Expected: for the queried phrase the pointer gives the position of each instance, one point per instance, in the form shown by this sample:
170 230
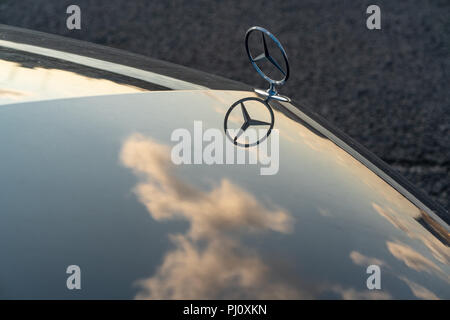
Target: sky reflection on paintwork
21 84
198 231
208 261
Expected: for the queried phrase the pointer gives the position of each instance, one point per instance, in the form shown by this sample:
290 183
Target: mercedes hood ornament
265 35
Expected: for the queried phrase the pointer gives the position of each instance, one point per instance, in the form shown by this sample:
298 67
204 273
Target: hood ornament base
274 96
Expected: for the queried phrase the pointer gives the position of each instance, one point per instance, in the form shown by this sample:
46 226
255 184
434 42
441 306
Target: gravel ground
388 89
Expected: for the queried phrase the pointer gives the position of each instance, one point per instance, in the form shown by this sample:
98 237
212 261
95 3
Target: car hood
90 182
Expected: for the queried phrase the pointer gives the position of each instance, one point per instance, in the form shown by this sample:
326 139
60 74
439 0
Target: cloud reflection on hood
409 225
209 261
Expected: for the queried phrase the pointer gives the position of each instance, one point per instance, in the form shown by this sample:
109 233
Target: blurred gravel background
389 89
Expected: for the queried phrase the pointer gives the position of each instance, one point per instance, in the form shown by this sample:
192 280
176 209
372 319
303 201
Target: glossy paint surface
26 77
90 181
